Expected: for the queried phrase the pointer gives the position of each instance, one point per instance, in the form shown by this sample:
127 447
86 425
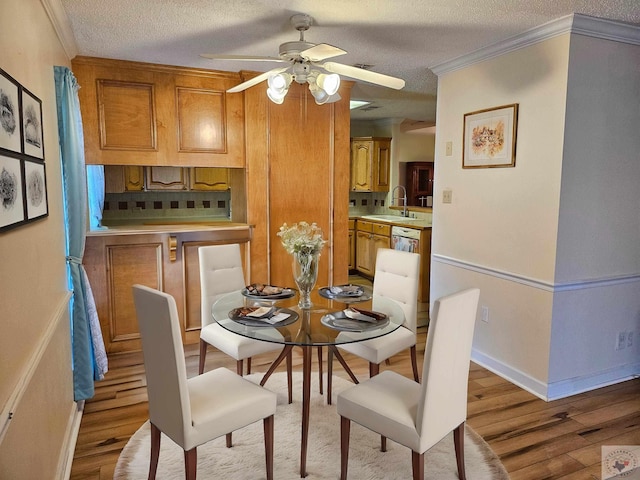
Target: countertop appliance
405 239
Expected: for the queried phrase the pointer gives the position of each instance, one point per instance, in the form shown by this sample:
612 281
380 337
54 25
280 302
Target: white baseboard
562 389
69 447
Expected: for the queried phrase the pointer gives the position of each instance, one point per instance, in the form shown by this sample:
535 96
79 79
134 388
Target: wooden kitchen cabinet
146 114
370 164
121 178
166 178
209 179
419 177
370 236
165 261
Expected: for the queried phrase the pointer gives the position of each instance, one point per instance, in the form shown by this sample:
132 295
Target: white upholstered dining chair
192 411
397 276
221 272
419 416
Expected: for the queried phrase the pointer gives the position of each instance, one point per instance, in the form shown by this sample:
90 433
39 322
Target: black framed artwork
10 125
11 192
23 179
32 138
35 184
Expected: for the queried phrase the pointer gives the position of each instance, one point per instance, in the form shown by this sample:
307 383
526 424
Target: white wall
529 236
35 367
598 254
499 233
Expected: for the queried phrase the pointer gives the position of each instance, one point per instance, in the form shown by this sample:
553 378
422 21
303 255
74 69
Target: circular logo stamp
619 462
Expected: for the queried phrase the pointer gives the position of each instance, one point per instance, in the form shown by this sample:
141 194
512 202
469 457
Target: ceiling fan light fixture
280 82
318 93
276 96
330 83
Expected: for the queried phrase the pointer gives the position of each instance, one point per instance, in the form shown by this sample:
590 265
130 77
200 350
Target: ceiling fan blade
250 58
255 80
364 75
321 51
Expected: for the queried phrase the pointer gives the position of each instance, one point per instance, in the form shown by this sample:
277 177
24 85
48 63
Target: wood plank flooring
535 440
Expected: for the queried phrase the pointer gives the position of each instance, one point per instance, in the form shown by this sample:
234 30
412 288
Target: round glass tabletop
323 324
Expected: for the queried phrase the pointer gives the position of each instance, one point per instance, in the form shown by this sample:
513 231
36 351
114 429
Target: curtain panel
88 352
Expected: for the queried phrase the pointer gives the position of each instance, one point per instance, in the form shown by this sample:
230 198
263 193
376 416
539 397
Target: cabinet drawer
352 224
381 229
363 226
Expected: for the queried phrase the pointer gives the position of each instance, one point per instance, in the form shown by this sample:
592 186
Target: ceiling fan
307 65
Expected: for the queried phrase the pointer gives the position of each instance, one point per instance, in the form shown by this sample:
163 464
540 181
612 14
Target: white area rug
245 460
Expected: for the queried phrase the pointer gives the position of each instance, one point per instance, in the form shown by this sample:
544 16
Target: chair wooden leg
239 369
229 439
374 369
249 366
320 369
290 376
383 443
190 463
268 445
414 364
417 464
333 351
203 356
345 427
458 442
155 451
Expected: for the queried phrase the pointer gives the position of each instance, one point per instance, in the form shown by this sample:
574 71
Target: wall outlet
630 339
484 314
621 340
447 195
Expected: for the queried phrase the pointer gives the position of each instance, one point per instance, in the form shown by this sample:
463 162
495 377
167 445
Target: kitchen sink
391 218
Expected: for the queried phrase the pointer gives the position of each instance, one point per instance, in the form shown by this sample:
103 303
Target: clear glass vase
305 274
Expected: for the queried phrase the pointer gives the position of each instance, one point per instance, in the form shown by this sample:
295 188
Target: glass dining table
318 326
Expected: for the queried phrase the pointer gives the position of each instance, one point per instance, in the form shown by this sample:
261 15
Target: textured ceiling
402 38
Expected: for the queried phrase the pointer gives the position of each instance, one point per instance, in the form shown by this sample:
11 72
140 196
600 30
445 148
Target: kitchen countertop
416 224
169 227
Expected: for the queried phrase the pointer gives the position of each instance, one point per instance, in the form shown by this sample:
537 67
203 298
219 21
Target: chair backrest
164 363
220 272
445 372
397 277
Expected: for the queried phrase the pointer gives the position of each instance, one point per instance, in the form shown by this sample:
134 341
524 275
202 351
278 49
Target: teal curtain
95 188
87 366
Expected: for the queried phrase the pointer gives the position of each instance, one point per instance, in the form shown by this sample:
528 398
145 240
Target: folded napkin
346 290
363 315
268 315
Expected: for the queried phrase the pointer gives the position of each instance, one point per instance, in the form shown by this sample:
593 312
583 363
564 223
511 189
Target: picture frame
12 209
35 188
32 134
10 123
489 139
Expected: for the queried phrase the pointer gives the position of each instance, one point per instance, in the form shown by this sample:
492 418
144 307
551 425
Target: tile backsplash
133 207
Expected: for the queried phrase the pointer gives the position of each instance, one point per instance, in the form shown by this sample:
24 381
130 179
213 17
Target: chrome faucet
404 198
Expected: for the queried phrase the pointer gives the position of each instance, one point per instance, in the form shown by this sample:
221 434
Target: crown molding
574 23
62 26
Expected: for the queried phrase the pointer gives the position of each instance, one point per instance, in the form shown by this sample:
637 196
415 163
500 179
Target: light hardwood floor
535 439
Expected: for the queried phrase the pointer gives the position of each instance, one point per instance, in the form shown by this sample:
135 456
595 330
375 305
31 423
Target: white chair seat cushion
222 402
386 404
237 346
377 350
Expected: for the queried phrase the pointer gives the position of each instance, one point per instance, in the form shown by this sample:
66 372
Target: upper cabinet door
145 114
370 164
126 116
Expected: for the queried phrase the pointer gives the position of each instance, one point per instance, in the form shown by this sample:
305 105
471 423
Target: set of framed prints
23 186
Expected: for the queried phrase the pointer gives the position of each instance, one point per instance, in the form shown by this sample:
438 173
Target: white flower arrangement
302 238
